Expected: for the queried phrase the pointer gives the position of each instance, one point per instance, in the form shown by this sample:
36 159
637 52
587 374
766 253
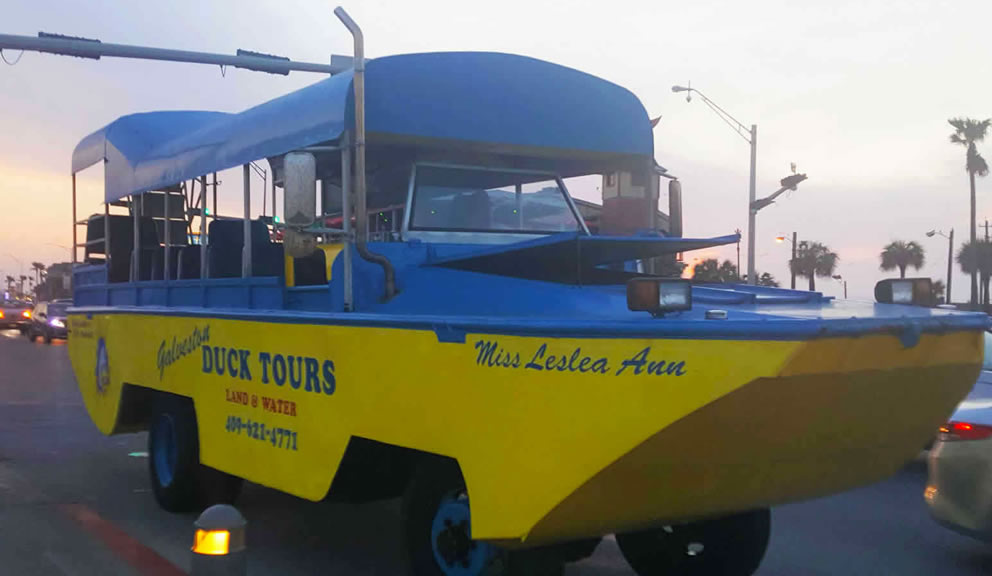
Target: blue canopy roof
489 98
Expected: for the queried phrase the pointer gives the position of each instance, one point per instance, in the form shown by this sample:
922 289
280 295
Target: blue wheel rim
454 551
164 449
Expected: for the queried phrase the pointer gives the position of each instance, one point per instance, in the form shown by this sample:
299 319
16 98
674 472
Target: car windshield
57 309
476 200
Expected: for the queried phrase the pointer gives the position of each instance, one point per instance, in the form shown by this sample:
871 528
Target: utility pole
752 211
950 260
792 262
738 232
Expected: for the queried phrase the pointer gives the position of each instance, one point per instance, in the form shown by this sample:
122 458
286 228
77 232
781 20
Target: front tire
179 481
437 532
729 546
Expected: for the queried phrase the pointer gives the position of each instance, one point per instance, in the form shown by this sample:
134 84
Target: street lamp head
931 233
837 277
678 89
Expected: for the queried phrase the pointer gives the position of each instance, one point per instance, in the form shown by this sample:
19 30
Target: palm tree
938 290
23 278
900 255
766 279
814 259
10 283
39 269
976 258
968 132
712 271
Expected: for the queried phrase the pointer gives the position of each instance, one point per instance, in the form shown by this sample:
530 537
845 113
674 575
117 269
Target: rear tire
48 338
729 546
179 481
437 531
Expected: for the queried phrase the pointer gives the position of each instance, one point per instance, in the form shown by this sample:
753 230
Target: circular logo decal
102 367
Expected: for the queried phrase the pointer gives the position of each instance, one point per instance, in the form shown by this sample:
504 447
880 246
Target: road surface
73 502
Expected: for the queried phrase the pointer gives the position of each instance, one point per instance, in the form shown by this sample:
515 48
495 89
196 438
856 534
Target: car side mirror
300 189
299 202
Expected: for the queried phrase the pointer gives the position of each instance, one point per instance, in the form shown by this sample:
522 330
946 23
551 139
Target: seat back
189 263
226 240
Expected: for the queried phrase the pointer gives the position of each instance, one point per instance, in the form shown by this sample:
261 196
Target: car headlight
910 291
659 295
57 323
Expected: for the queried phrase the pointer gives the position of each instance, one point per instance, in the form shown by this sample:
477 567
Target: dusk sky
857 94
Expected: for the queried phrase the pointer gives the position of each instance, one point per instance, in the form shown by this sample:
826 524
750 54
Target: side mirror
674 208
299 202
300 189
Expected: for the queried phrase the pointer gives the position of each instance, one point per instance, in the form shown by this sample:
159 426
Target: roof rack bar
95 49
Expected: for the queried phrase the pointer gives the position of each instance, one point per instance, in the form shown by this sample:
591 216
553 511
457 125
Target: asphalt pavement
74 502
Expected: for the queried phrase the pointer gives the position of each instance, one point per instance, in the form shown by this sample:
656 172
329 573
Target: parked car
960 462
15 315
48 320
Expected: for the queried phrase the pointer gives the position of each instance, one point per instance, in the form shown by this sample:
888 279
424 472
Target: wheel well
372 470
135 412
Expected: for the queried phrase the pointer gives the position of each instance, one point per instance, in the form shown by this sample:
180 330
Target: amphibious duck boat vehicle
445 328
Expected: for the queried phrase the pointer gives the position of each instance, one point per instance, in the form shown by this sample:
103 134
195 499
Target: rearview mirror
674 209
300 189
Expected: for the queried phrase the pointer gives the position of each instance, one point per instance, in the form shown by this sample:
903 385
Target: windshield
57 309
477 200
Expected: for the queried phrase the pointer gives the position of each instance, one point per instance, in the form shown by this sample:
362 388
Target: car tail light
955 431
1 314
26 313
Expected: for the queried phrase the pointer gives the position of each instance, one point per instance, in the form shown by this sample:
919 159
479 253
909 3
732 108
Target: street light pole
753 203
751 137
950 258
752 210
792 263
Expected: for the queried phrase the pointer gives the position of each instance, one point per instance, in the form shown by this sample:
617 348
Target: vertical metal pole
792 262
106 236
168 234
751 213
950 259
349 302
246 249
215 196
518 199
204 237
136 243
273 195
74 239
845 289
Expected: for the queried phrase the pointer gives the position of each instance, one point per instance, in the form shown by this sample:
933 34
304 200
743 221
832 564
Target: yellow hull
556 437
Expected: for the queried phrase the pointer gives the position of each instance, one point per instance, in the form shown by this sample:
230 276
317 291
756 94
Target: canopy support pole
168 237
136 244
74 238
246 248
215 194
203 226
106 236
349 301
273 196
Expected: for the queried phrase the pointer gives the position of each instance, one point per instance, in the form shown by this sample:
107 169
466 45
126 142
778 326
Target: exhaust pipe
361 208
